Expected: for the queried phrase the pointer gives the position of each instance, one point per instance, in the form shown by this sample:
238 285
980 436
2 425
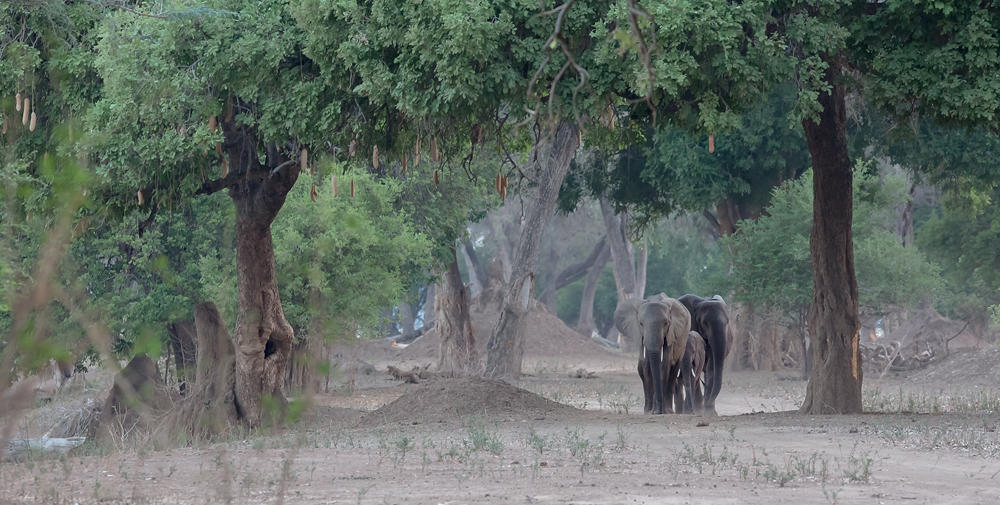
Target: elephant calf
693 365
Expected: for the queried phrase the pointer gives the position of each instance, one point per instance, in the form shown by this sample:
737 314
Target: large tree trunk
835 384
458 341
407 321
506 345
585 324
263 337
182 341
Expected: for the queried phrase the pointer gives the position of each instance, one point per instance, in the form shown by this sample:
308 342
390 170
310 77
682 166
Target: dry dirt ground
931 438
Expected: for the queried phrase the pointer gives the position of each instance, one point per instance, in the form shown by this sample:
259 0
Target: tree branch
577 271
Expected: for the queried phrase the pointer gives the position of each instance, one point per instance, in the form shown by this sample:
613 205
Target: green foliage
965 244
770 257
341 261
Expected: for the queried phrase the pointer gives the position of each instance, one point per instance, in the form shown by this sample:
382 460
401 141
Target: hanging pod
212 123
404 163
312 168
711 143
225 167
313 193
139 193
351 149
304 159
34 120
434 150
17 102
375 157
218 148
437 180
27 111
333 185
352 188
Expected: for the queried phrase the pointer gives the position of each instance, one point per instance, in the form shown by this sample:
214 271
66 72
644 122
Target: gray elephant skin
693 365
662 324
710 318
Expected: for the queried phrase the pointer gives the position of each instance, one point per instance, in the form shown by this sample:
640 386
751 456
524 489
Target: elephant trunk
717 356
653 358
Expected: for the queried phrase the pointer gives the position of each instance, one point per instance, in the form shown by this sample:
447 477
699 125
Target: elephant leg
711 385
671 402
647 385
686 383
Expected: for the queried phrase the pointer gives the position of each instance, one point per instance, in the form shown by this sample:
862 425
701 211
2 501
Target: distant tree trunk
640 271
407 321
263 337
185 347
473 259
429 306
475 280
506 345
622 263
300 365
549 294
585 324
726 210
503 247
835 383
906 225
457 337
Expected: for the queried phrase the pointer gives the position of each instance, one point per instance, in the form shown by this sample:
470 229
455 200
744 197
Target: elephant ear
680 326
627 319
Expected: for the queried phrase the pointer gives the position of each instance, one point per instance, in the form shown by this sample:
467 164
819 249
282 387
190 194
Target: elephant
710 318
693 365
662 324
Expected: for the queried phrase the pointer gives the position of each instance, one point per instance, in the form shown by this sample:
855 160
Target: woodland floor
932 438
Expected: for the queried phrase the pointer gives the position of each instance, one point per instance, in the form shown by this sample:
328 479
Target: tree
227 101
770 257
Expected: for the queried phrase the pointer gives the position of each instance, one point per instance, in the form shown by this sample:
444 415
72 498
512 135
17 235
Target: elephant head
662 324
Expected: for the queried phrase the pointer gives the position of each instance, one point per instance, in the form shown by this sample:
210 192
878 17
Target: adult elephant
662 324
710 318
693 365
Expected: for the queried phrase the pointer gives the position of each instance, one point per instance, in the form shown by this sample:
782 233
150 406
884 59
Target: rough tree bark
585 324
505 348
835 383
407 321
182 341
262 337
211 410
457 353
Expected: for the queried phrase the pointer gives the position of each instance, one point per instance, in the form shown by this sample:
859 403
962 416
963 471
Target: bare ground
553 439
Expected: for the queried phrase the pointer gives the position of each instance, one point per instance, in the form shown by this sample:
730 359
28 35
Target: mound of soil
545 336
963 369
453 399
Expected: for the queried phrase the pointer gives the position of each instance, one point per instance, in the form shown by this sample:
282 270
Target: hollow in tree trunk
458 341
835 383
505 348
